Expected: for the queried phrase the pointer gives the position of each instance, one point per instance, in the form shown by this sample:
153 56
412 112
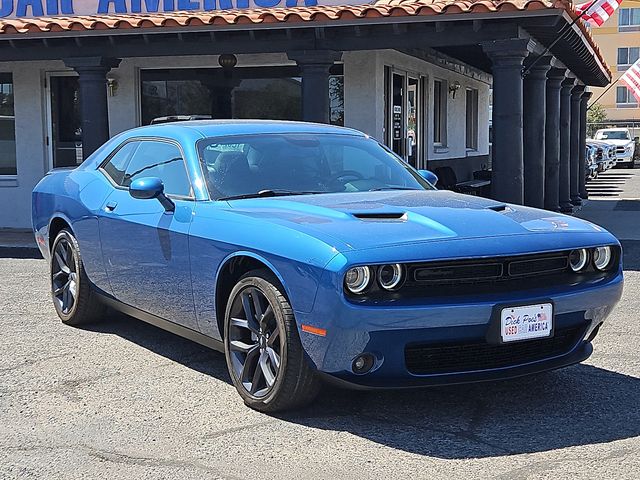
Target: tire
631 164
265 358
74 300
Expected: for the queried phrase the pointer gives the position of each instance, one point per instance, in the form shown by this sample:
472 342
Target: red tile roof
382 8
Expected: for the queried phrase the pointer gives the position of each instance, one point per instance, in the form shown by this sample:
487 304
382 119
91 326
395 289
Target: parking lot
126 400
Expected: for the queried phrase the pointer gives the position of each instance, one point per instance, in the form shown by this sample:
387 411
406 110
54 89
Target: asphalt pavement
125 400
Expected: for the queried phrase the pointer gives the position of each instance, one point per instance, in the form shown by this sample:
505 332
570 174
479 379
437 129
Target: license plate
525 322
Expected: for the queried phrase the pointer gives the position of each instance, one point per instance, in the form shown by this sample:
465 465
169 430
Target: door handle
110 206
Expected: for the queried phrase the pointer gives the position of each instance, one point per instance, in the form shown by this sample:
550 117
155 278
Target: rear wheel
71 291
264 355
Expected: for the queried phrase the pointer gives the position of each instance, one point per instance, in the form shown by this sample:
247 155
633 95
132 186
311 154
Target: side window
162 160
116 166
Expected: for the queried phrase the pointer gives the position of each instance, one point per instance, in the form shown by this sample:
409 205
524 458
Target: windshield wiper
393 188
271 193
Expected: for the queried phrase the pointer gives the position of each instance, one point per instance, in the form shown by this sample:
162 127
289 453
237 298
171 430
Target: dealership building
418 75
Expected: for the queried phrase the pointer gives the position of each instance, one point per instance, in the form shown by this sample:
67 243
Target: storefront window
251 93
7 127
161 98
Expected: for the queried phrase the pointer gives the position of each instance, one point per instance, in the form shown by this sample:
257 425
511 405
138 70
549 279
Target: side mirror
148 188
429 176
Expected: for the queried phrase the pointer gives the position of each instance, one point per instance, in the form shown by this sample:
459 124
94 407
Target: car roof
221 128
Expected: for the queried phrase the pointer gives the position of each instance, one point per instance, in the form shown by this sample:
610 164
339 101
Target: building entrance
64 136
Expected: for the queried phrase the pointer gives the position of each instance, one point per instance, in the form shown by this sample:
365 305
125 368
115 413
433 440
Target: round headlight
357 279
602 257
578 259
390 276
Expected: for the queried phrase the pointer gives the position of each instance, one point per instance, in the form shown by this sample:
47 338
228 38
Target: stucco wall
364 101
30 108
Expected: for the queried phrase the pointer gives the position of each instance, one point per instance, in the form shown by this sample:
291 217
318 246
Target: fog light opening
363 363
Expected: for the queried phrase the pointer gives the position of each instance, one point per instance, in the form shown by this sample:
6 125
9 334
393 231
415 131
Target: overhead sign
53 8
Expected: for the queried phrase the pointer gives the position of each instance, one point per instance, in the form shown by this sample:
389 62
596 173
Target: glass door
64 138
414 122
404 100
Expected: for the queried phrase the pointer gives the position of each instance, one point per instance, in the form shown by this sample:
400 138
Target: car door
145 248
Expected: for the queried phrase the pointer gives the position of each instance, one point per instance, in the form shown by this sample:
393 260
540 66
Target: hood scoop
502 208
382 216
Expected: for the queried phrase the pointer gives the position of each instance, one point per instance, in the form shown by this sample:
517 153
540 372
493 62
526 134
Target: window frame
625 66
629 26
628 95
149 139
475 126
157 73
440 134
10 177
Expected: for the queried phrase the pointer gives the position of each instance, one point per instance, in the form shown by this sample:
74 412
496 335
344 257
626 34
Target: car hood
615 142
380 219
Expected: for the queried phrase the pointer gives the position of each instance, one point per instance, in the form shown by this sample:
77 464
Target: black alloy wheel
255 342
264 355
64 276
73 297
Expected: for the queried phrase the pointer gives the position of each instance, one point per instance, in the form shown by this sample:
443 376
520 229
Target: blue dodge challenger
311 253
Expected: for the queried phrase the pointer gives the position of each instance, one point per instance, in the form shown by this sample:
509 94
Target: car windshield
612 135
290 164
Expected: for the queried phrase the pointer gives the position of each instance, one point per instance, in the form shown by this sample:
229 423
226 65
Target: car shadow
175 348
579 405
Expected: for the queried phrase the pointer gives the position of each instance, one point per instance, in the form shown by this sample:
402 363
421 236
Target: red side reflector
315 330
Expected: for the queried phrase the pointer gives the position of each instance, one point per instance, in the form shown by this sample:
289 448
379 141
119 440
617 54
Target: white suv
621 139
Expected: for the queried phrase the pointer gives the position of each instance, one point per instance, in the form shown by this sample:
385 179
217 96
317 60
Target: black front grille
538 266
454 273
430 359
488 275
488 270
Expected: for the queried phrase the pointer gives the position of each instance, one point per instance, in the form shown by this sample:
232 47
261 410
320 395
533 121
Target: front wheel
71 291
264 355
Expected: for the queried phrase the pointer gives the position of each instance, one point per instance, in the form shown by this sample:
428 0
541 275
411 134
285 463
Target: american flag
597 11
631 79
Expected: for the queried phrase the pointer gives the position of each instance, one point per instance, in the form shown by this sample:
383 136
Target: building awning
578 52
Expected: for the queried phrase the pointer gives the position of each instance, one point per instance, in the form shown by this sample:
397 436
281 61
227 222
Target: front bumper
386 330
624 158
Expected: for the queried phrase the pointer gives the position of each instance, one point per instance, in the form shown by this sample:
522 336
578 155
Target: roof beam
264 41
